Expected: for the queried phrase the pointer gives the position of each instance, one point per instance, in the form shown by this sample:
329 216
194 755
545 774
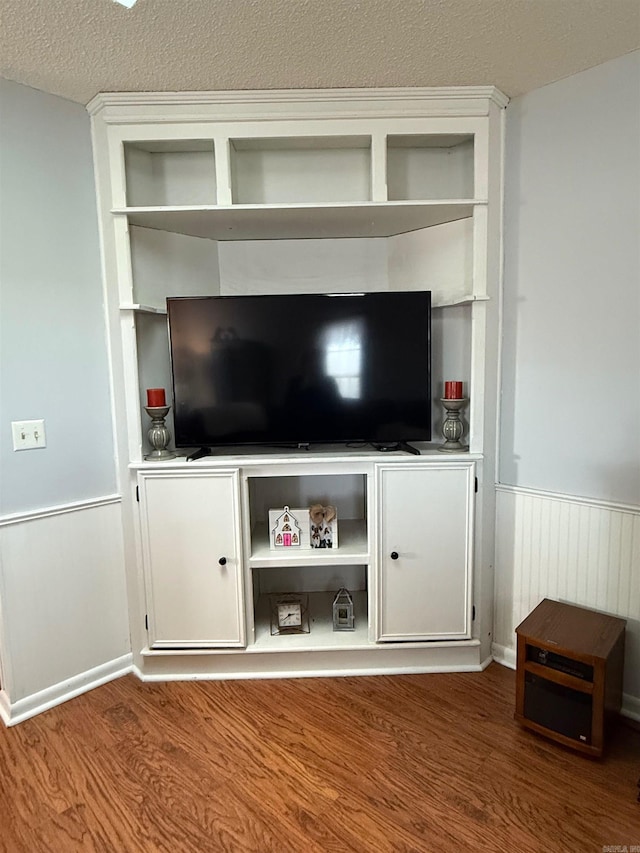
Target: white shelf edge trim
310 673
258 649
467 299
142 309
431 457
303 220
301 205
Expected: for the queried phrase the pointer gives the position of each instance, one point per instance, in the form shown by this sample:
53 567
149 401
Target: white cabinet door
192 558
424 551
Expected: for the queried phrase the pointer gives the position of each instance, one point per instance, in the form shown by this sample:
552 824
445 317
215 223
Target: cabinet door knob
394 555
223 561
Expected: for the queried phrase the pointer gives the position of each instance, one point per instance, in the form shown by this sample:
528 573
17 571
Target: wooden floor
430 763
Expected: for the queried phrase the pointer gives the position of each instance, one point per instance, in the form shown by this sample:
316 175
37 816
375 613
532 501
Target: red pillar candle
453 390
156 397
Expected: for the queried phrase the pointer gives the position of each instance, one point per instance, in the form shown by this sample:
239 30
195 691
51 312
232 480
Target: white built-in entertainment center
310 192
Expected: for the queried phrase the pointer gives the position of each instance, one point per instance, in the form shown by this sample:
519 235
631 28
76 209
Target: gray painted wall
571 356
53 354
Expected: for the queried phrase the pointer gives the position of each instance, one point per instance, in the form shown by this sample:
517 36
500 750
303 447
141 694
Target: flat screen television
301 369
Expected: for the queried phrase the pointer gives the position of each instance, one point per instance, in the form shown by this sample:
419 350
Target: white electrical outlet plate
28 435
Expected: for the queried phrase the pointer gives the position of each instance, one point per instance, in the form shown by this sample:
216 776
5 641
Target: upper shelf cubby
265 187
167 173
301 170
429 166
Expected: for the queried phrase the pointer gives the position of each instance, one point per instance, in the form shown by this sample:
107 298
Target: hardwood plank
385 764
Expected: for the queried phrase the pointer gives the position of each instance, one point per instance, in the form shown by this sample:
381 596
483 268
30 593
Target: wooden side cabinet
569 673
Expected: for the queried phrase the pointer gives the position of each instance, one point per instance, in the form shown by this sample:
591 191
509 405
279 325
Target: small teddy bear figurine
321 530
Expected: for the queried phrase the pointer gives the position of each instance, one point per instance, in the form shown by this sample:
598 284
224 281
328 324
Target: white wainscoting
63 604
570 549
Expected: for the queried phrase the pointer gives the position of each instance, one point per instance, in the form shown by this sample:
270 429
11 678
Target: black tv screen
299 369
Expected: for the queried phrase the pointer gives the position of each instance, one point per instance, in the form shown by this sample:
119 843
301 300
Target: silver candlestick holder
158 434
453 428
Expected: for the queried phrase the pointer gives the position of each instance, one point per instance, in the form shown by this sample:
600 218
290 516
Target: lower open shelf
321 634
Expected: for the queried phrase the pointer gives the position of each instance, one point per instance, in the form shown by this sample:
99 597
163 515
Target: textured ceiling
77 48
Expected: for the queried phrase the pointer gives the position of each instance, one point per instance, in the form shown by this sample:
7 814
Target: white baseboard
12 714
504 655
5 708
23 709
630 707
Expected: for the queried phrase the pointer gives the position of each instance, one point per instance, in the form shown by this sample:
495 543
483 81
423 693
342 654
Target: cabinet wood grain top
568 628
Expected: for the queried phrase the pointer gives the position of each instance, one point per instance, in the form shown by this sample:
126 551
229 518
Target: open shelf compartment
300 169
429 167
321 634
347 492
170 172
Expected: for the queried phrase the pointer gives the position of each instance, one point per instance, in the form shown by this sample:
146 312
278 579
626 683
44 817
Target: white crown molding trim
23 709
47 512
131 118
294 96
612 506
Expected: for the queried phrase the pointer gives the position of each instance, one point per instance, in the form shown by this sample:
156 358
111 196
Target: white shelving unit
328 191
